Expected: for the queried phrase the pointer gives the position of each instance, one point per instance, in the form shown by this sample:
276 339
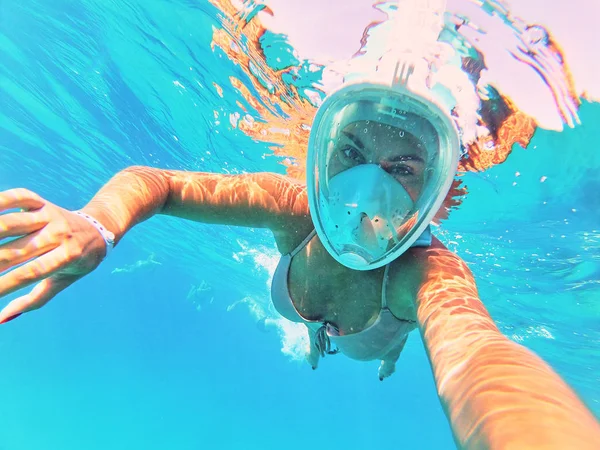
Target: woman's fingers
20 198
36 270
23 249
21 223
51 248
41 294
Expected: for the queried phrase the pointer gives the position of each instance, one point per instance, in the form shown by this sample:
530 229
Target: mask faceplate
381 161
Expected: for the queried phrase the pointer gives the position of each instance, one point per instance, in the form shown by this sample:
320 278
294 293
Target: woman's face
397 152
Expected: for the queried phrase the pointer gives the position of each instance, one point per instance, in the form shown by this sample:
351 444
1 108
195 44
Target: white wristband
109 238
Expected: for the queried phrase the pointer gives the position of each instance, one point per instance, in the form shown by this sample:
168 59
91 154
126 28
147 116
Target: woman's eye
401 169
352 155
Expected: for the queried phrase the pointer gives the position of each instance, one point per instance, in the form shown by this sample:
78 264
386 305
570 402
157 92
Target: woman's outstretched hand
49 246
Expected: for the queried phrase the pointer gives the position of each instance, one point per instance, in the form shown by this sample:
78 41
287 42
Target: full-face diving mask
381 161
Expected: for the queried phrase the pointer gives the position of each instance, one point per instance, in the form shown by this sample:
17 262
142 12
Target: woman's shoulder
411 271
294 221
439 261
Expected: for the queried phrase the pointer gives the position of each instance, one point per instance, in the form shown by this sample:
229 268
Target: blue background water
129 360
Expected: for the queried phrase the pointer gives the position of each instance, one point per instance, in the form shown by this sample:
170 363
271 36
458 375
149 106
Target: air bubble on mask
365 130
401 134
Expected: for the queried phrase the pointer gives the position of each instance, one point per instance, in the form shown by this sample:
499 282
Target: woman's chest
323 290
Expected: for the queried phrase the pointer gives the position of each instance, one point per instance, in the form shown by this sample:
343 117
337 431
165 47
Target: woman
359 266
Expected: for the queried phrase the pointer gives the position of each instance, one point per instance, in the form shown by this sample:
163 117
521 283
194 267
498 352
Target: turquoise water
166 345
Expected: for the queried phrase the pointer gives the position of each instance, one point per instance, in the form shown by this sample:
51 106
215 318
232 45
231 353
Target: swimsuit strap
423 241
303 244
384 287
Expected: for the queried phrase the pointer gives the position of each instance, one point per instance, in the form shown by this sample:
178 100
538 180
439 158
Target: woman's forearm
499 395
496 393
131 196
264 200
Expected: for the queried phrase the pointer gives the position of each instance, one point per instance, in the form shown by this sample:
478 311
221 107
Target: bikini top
381 340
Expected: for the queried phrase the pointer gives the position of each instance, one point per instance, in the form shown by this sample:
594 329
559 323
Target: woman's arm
496 393
263 200
54 247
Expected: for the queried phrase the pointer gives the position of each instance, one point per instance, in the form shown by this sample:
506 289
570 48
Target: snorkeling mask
365 214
